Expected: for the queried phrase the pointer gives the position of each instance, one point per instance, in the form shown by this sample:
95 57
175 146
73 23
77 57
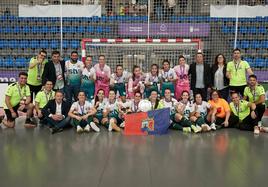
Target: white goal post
142 52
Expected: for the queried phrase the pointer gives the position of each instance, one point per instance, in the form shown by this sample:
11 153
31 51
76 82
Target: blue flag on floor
151 123
157 122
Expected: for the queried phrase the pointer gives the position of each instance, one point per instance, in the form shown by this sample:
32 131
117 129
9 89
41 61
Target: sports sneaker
29 123
263 129
56 130
79 129
115 127
213 126
186 129
1 119
87 128
259 123
94 127
256 130
199 128
122 125
110 128
196 129
205 127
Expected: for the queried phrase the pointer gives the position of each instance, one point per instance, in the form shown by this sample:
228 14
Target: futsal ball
145 105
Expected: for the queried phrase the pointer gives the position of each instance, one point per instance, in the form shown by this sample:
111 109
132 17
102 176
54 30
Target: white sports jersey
188 108
168 74
135 107
119 79
106 70
81 109
126 104
203 108
152 79
73 72
101 104
170 104
111 106
88 74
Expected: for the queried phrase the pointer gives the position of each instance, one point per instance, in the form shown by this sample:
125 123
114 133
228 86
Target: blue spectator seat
54 44
8 62
65 44
34 44
26 29
74 44
259 62
255 44
243 30
264 44
252 30
44 30
3 44
90 29
245 44
262 30
99 29
21 62
16 30
23 44
13 44
44 44
35 29
81 29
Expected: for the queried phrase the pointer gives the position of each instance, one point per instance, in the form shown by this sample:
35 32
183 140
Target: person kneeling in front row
245 111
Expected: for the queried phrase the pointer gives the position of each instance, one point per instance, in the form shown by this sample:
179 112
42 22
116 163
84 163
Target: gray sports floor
35 158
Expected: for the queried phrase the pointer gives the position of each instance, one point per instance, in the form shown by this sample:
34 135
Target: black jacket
207 75
50 108
214 68
50 72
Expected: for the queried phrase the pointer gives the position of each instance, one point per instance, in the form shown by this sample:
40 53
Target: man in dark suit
200 76
56 113
54 71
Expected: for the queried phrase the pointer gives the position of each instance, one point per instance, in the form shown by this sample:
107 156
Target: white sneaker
213 126
110 128
259 123
79 129
94 127
199 128
87 128
264 129
122 125
205 127
256 130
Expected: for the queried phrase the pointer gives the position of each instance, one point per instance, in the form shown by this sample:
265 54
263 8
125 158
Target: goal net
141 52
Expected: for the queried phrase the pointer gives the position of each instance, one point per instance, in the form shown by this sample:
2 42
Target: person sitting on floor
55 113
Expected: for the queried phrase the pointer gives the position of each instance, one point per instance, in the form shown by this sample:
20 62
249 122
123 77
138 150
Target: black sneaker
30 124
56 130
29 121
1 119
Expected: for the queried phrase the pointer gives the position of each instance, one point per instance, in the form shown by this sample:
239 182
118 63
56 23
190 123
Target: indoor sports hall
140 144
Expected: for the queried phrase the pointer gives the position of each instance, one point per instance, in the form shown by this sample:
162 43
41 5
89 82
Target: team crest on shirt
147 125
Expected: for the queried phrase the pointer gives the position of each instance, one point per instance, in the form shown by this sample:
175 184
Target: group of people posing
86 96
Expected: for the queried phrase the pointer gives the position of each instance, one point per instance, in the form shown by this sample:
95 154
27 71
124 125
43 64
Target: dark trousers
248 123
233 121
224 93
238 89
34 90
59 124
71 92
260 108
202 91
